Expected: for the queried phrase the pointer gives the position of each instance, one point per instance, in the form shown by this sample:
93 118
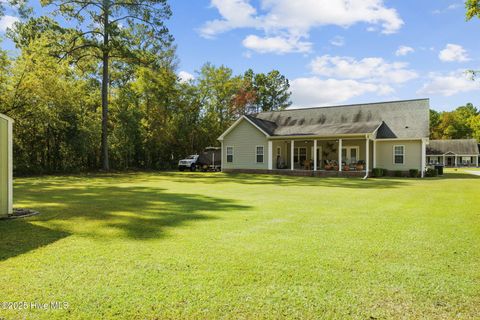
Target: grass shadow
19 237
287 181
109 210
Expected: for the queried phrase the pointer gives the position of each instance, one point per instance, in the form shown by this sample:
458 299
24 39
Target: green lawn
206 246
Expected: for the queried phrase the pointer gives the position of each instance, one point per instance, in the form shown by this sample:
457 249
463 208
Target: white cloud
338 41
338 79
404 50
7 22
235 14
453 53
449 84
185 76
452 6
368 69
313 91
276 45
294 19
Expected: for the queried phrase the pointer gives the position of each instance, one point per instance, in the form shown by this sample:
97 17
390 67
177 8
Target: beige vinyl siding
413 155
245 138
4 179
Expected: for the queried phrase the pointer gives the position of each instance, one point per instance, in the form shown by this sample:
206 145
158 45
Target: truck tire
181 169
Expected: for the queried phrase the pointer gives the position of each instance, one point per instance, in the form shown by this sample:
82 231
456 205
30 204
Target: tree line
105 93
461 123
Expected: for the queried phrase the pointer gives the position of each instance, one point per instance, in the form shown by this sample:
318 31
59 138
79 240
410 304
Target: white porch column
270 155
221 155
374 153
424 154
292 150
10 166
315 155
444 161
477 160
456 161
340 155
367 156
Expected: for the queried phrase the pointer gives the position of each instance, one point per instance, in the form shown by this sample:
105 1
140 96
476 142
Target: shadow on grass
102 210
287 181
19 236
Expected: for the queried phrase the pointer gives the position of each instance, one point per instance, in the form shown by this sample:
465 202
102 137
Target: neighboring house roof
397 119
457 147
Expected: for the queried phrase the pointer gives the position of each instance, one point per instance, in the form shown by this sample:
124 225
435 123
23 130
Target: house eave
236 123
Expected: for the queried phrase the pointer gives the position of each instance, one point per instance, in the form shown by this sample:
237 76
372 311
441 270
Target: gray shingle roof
458 147
396 119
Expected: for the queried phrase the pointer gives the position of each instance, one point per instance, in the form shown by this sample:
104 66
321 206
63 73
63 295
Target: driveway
477 173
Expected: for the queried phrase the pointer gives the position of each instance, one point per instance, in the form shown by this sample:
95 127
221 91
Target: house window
300 155
399 154
279 151
229 154
259 154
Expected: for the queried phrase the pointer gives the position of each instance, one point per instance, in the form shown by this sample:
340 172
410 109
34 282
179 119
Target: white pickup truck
189 163
208 160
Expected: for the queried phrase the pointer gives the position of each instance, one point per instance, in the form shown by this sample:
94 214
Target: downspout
367 155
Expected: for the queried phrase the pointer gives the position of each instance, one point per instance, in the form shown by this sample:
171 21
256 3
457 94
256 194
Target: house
314 141
453 153
6 177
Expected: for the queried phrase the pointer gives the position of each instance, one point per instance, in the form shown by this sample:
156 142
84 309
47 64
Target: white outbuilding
6 165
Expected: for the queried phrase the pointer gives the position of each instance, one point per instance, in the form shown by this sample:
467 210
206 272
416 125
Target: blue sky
334 51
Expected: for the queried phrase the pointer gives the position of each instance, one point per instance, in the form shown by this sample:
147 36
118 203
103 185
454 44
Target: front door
449 161
350 155
299 157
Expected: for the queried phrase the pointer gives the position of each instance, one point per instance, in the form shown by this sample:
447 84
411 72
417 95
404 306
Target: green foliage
462 123
115 32
398 173
154 118
414 173
271 91
378 172
473 9
431 172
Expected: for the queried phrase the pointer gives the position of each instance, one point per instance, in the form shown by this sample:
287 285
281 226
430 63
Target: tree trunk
105 85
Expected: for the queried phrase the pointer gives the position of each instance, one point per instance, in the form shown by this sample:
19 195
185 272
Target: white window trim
404 154
233 154
256 153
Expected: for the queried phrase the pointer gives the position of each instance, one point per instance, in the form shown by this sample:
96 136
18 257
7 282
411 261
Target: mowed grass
209 246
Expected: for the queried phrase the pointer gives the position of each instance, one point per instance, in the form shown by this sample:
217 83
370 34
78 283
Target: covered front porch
302 155
451 159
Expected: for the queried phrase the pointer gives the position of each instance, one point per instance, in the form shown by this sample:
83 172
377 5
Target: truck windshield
191 157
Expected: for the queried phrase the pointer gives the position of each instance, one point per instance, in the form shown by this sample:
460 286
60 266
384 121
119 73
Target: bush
413 173
378 172
398 173
431 172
